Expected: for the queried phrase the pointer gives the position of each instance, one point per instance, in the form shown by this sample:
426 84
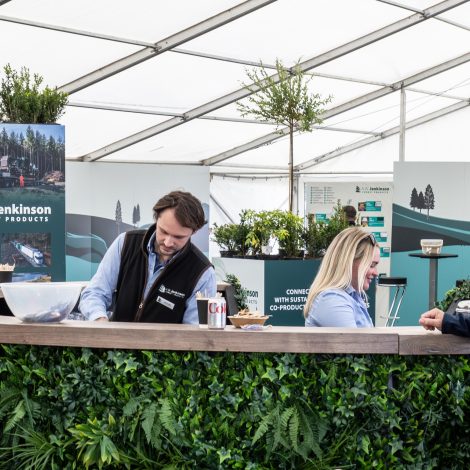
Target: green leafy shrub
73 408
456 293
226 236
318 235
241 294
23 102
289 229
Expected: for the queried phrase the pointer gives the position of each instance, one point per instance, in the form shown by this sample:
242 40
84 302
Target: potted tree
23 102
243 229
284 99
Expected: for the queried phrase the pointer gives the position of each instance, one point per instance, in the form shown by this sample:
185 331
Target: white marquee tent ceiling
156 81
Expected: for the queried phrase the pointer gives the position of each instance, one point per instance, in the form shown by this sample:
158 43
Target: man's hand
102 319
432 319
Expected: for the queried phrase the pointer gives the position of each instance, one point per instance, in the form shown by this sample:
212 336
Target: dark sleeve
456 323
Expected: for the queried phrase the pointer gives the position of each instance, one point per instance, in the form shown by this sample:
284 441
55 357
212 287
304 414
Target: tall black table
433 259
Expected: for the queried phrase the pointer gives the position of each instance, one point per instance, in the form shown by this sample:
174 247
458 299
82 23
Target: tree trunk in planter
291 167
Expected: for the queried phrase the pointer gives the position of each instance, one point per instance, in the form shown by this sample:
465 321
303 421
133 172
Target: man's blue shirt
96 299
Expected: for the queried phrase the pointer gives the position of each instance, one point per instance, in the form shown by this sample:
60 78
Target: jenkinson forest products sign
20 213
32 201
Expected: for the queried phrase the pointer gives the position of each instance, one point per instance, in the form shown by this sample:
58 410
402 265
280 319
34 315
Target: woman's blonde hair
336 269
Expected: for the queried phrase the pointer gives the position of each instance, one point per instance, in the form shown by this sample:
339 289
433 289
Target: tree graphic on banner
136 215
414 199
428 199
118 216
420 205
423 201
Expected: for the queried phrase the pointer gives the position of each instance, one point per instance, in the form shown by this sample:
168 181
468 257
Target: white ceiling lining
227 107
306 65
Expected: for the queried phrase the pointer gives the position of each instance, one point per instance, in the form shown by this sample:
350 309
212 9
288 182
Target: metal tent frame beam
134 110
79 32
307 65
417 10
268 138
165 44
388 133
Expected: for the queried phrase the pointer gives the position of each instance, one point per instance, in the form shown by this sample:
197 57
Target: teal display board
32 200
286 285
277 287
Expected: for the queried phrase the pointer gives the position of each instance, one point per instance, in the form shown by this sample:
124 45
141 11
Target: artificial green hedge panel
66 408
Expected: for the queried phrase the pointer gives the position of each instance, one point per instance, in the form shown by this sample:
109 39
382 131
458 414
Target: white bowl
39 302
431 246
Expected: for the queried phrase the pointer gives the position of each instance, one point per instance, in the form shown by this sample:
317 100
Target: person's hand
432 319
102 319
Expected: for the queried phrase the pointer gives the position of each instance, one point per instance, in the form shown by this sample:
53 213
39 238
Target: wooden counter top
397 340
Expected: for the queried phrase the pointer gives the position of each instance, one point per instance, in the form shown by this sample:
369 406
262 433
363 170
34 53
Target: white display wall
373 202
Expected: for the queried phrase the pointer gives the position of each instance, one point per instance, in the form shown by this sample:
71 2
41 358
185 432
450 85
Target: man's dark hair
188 209
350 212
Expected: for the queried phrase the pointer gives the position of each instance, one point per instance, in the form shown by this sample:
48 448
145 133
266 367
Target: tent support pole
221 207
402 124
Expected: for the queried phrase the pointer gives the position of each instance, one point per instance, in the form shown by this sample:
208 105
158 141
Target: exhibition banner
32 200
430 202
119 197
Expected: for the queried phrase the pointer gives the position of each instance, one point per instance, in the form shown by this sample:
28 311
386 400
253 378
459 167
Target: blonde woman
338 292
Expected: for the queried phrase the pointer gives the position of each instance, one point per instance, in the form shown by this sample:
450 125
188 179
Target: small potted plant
260 237
289 234
226 237
243 229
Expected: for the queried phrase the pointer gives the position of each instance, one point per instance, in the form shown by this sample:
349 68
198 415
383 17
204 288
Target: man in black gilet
153 275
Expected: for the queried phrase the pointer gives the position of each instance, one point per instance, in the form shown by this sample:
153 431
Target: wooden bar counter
396 340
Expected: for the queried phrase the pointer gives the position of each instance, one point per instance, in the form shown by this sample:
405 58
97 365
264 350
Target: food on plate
247 314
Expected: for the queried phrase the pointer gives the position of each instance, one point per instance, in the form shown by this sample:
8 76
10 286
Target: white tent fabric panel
404 54
169 82
306 146
145 20
87 131
58 57
454 81
177 144
427 143
301 29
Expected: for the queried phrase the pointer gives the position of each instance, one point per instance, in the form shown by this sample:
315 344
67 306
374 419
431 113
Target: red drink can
216 313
